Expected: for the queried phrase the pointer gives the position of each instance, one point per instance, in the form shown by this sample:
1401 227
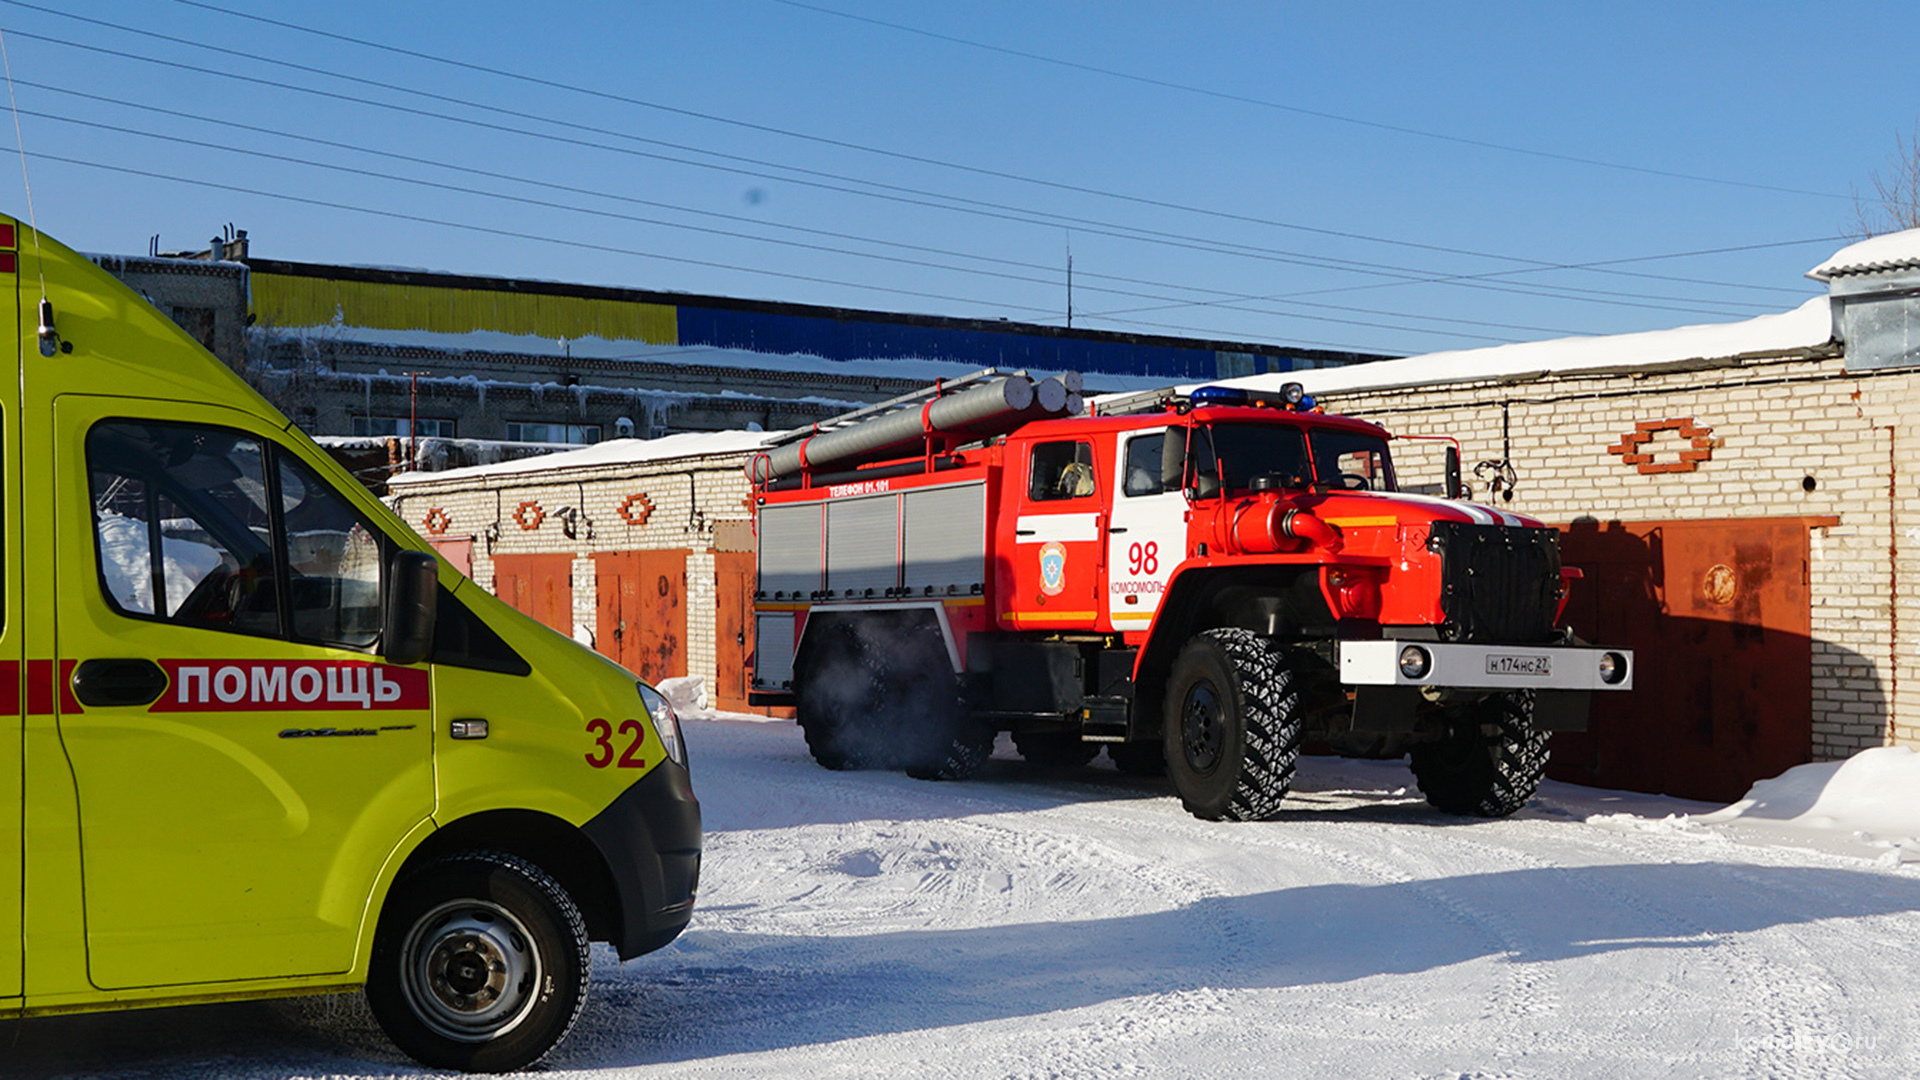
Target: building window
197 321
398 425
540 431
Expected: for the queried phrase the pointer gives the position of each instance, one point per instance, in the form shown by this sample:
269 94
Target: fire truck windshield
1230 457
1351 461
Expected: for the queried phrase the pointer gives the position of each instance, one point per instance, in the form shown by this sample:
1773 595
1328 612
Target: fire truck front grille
1498 583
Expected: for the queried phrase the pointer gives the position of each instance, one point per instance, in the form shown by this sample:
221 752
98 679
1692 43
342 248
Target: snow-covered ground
1034 925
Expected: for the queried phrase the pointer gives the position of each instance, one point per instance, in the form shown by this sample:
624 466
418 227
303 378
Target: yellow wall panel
281 300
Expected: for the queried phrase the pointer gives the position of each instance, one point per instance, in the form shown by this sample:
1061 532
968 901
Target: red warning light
6 236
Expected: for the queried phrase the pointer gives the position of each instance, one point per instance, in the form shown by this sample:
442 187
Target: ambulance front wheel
480 963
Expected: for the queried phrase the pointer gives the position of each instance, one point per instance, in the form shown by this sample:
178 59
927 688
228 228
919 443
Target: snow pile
641 352
1808 326
687 694
612 452
1867 805
1894 251
1875 792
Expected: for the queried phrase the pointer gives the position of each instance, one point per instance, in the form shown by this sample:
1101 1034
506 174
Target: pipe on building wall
1893 584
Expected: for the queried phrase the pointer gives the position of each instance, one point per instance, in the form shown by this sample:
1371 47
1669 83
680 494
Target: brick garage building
642 549
1742 499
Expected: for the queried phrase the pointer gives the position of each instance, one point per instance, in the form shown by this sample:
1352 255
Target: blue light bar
1217 395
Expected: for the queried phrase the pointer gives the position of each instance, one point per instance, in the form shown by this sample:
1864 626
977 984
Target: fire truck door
1055 570
1146 534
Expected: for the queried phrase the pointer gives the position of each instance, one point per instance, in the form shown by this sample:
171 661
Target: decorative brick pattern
1634 447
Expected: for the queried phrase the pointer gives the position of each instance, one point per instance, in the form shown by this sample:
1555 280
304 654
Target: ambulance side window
1060 470
333 560
185 533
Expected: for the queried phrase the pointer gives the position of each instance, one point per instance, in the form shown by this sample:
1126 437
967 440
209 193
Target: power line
1296 109
1224 298
550 205
977 207
1328 261
586 245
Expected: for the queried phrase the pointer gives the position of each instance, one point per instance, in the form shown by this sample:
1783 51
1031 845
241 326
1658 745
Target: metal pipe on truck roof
975 413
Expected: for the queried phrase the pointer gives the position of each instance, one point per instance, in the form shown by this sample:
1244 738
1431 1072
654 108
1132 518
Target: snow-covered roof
1894 251
613 452
1808 326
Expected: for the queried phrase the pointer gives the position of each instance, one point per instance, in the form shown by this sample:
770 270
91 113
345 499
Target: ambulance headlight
664 722
1415 662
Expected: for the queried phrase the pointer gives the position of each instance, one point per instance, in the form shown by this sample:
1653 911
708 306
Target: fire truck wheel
1232 722
1139 759
838 700
942 740
480 963
1489 761
1054 749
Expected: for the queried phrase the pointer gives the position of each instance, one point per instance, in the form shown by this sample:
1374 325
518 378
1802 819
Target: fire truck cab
1200 583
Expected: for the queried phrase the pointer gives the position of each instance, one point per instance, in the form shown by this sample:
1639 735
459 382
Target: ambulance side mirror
412 590
1453 473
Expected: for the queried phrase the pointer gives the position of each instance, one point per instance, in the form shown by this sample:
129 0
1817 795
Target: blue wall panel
838 339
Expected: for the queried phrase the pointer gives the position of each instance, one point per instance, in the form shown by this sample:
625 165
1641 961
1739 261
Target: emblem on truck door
1053 567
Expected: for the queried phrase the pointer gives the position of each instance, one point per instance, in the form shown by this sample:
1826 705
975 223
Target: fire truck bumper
1484 667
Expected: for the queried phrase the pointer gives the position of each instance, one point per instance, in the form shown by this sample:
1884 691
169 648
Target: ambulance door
244 762
1056 558
1147 533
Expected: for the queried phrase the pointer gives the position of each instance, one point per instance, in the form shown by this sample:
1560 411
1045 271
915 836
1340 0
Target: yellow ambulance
255 741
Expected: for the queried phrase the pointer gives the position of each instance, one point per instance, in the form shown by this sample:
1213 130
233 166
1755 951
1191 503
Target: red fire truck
1200 582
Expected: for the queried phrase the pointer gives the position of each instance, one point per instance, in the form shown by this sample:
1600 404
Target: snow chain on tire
1491 760
1260 718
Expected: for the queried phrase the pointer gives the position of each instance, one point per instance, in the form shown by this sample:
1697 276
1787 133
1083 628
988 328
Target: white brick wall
688 498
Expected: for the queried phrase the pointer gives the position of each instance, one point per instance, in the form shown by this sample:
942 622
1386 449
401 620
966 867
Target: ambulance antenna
21 141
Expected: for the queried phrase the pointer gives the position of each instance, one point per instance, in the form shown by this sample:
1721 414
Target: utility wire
551 205
1544 265
1296 109
589 246
1223 297
1661 302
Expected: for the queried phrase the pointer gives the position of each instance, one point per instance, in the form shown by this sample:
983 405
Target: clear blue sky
1283 121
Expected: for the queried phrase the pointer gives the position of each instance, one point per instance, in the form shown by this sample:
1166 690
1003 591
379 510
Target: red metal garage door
539 585
1718 614
642 610
455 553
732 628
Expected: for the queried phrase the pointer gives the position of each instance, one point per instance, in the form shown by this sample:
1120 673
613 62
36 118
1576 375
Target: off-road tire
838 691
1232 725
1054 749
942 739
967 746
1489 761
1139 759
480 963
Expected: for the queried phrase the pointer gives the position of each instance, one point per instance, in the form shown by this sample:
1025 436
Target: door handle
118 681
1117 529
